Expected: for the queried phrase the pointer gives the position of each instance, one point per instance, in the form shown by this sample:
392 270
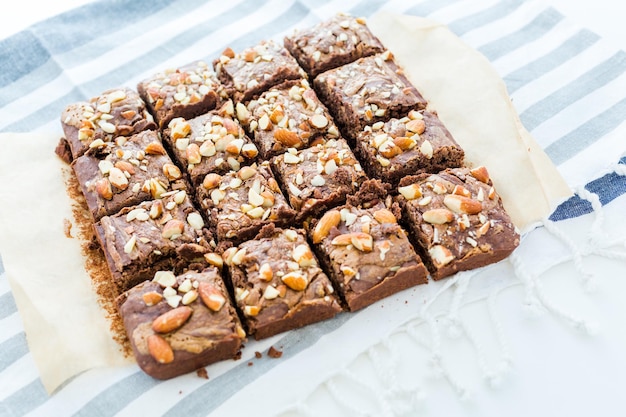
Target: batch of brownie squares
273 188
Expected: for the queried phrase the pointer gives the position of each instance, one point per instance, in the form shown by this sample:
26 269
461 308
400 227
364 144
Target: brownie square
238 204
366 253
366 91
287 116
278 284
125 172
408 146
162 234
115 112
212 142
188 91
457 219
256 69
319 177
178 324
331 43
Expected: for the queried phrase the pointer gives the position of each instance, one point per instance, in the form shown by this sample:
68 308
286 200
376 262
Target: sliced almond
482 230
171 320
438 216
426 148
344 239
156 209
164 278
462 205
246 172
295 280
159 349
211 296
214 259
239 256
195 220
319 121
329 220
404 143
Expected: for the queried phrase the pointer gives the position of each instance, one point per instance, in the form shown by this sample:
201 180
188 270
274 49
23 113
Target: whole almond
172 319
159 349
329 220
416 126
118 178
211 296
384 216
462 205
125 166
438 216
287 138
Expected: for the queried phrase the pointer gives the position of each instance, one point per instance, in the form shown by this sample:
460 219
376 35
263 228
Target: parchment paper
67 330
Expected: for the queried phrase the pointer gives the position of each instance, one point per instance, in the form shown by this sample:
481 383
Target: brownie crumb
67 228
250 364
258 355
63 151
274 353
202 373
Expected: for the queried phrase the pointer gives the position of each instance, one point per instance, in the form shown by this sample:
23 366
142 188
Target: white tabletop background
544 382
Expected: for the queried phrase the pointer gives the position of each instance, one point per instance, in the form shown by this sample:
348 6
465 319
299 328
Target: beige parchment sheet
67 330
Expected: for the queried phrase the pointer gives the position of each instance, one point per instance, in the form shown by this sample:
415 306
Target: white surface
558 371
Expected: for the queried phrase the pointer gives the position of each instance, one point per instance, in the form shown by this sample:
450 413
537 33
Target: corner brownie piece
287 116
319 177
256 69
162 234
188 91
457 219
115 112
178 324
407 146
365 251
366 91
278 284
126 172
212 142
331 43
238 204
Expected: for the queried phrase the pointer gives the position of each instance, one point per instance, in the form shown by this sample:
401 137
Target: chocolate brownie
366 91
407 146
163 234
278 285
212 142
457 219
115 112
188 91
366 253
287 116
125 172
331 43
177 324
238 204
256 69
319 177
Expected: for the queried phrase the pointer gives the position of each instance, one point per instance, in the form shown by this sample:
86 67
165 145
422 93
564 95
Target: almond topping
211 296
214 259
171 171
103 188
362 241
211 181
287 138
171 320
155 148
462 205
295 280
193 154
319 121
410 192
125 166
151 298
164 278
251 311
482 230
438 216
118 178
441 255
460 190
303 256
481 174
416 126
265 272
329 220
173 229
270 293
384 216
159 349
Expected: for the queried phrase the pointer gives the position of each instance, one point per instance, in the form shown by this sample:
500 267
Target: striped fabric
568 86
